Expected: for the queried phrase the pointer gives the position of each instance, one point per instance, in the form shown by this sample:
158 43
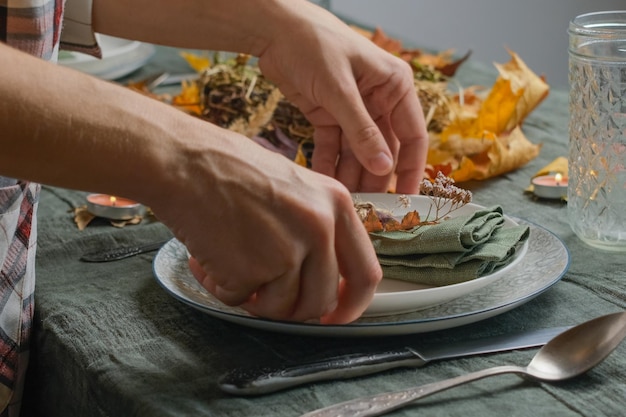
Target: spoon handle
380 404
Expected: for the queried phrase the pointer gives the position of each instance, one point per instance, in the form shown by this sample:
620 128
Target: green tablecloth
109 341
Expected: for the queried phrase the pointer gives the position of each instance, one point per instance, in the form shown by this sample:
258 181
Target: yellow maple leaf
535 89
198 62
498 108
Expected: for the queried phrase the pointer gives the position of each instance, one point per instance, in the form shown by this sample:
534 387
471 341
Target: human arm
257 223
360 98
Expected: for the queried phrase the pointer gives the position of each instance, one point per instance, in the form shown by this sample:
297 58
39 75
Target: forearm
246 26
64 128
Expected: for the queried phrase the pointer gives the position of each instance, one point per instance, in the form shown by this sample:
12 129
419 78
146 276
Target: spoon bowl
569 354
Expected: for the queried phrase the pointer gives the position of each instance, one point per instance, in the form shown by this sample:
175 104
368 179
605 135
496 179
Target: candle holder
550 186
112 207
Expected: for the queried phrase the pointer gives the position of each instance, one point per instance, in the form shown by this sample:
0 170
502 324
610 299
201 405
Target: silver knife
257 381
121 253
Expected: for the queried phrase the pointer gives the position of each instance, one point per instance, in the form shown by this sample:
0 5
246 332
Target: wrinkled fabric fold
455 250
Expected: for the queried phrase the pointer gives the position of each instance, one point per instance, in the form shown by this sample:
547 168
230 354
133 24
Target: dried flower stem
445 195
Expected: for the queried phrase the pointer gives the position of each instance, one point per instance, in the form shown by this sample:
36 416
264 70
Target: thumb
365 138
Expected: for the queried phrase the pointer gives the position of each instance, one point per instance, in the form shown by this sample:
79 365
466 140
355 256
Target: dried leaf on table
557 166
82 217
535 89
484 138
443 62
199 63
122 223
510 151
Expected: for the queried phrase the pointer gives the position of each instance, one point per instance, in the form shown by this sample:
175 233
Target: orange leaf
372 223
391 225
410 220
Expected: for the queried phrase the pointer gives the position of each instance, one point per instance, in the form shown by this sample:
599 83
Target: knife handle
258 381
120 253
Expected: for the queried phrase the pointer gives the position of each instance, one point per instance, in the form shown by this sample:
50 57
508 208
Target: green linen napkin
455 250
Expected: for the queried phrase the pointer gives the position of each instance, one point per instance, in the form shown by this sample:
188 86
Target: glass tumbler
597 129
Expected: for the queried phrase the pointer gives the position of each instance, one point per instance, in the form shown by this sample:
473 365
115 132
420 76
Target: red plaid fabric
18 236
33 26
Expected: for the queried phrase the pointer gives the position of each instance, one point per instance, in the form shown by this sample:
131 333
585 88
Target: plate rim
383 328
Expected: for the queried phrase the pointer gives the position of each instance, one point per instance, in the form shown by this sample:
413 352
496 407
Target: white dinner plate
398 297
545 262
120 57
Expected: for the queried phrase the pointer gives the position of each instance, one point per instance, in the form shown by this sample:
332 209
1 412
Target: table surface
109 341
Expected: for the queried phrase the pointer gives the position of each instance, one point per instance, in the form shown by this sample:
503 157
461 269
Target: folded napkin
455 250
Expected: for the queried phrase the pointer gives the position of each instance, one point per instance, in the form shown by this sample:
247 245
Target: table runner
111 342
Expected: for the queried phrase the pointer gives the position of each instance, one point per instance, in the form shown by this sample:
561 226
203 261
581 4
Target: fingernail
381 164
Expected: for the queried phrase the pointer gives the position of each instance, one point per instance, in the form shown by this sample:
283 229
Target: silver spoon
569 354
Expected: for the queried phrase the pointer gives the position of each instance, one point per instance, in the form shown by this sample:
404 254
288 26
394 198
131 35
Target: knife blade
121 253
257 381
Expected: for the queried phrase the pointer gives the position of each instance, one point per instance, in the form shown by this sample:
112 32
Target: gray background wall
535 29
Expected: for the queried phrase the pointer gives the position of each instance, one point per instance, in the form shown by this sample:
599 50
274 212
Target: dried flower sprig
446 196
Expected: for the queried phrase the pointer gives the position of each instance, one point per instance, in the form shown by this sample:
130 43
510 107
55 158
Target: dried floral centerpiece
236 96
475 132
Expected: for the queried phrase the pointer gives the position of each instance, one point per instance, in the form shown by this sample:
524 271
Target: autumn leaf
410 220
509 152
558 165
189 98
521 78
199 63
372 223
499 108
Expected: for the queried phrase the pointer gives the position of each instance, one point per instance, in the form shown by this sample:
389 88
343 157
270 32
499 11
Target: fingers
306 295
277 298
410 129
359 267
327 148
367 133
366 140
229 296
333 156
313 288
319 285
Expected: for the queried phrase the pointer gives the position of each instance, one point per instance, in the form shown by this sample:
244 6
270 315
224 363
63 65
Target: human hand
279 240
362 100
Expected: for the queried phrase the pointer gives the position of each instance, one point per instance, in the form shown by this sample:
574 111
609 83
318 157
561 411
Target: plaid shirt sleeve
18 237
33 26
39 26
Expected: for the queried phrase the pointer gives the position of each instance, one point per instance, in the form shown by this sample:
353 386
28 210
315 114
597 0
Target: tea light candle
550 186
112 207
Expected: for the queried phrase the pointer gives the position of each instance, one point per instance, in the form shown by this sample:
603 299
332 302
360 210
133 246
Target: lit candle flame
558 178
113 200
